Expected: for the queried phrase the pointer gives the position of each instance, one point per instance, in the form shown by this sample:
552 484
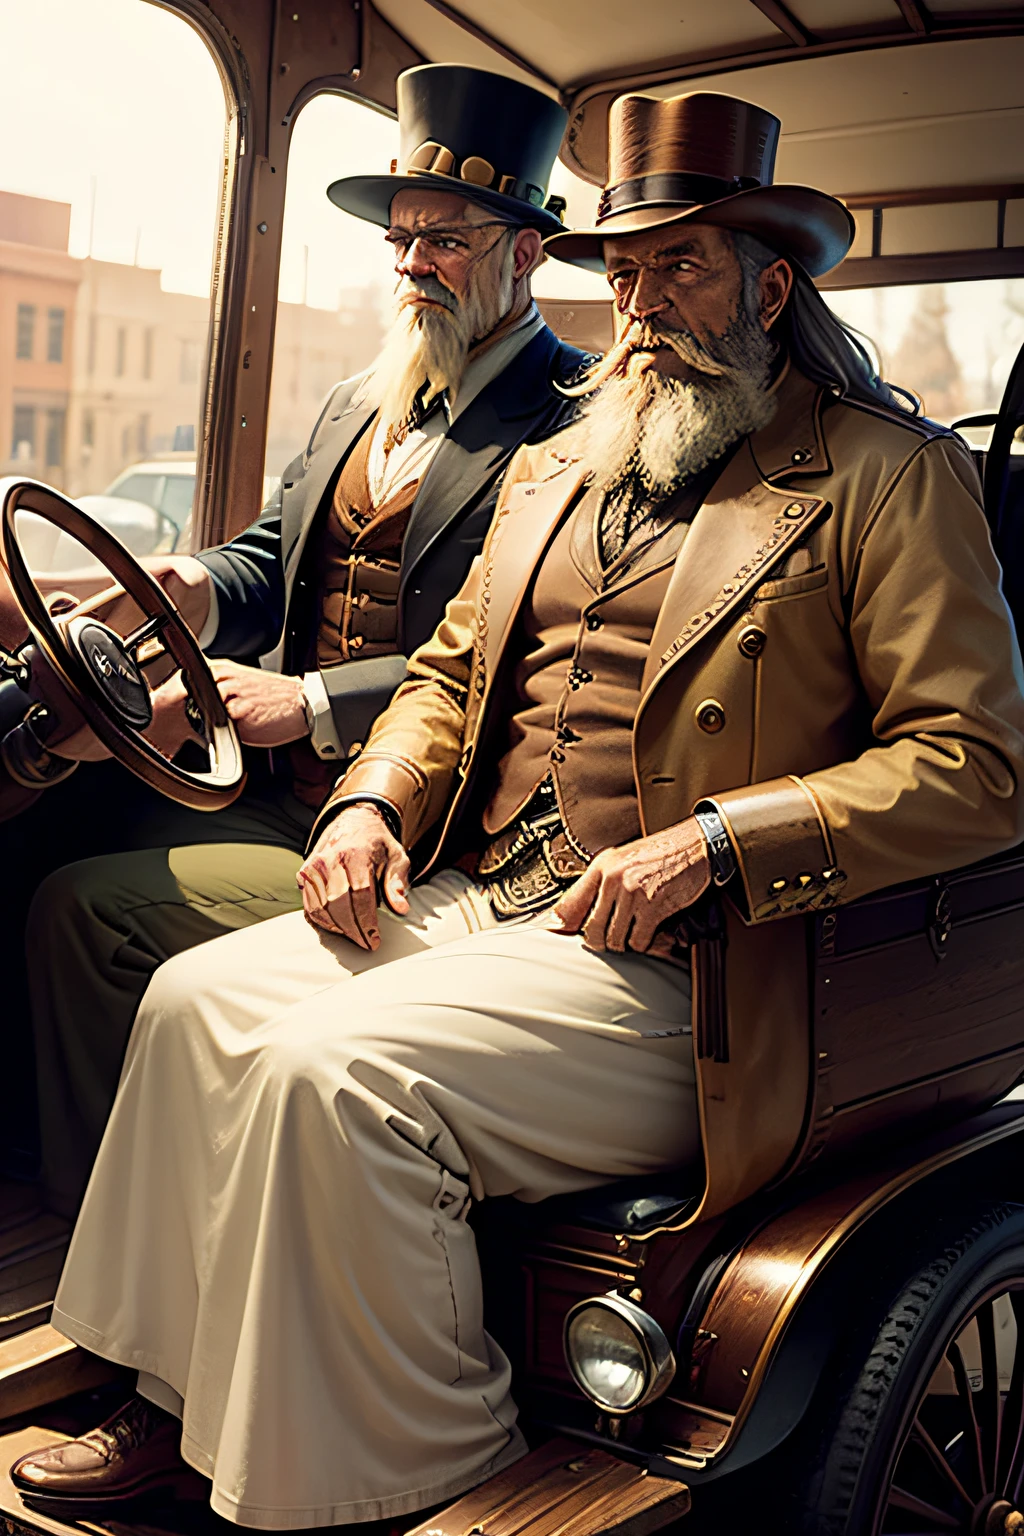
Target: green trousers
158 880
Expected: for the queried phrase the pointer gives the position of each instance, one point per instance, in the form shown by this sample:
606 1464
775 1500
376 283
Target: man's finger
362 880
395 883
313 901
645 926
571 910
595 929
621 923
341 910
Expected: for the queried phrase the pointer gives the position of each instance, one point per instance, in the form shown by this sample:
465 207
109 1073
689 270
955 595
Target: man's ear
775 284
528 253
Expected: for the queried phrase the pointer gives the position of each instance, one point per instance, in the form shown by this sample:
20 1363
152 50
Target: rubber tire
864 1413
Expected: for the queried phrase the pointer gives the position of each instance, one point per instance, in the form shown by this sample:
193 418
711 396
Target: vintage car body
871 1140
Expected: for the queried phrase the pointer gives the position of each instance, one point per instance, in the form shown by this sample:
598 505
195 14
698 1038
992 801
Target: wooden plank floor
33 1244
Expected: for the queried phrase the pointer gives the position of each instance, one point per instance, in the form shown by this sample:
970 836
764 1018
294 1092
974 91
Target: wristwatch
720 850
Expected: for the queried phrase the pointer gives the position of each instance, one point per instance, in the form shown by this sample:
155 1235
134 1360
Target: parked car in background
167 484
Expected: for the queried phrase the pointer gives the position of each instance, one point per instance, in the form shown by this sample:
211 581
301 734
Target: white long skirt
275 1231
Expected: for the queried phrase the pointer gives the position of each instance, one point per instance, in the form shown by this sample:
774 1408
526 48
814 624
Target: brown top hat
710 159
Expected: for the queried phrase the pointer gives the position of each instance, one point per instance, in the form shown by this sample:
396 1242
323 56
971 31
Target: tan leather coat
834 664
835 617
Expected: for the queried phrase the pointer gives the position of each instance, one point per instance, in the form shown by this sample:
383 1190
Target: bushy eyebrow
688 248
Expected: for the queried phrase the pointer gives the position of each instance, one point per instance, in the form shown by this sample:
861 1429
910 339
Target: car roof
883 102
159 467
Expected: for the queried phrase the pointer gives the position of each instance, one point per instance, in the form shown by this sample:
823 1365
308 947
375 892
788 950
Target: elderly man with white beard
734 649
313 611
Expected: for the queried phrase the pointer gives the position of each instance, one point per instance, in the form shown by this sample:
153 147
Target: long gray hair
816 340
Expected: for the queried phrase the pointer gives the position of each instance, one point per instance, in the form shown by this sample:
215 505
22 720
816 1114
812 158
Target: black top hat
469 131
708 158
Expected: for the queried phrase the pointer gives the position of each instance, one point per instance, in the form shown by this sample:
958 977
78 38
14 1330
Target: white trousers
275 1231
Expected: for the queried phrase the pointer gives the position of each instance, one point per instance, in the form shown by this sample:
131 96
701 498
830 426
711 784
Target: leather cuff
783 848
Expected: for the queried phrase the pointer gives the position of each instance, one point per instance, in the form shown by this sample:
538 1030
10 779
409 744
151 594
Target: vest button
751 640
710 716
594 621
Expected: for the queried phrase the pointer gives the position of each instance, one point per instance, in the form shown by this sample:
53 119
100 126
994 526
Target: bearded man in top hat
317 605
735 642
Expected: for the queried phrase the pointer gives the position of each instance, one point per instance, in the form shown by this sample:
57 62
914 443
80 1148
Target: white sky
123 97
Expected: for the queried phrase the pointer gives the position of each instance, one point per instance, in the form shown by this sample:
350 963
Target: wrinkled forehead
667 242
413 209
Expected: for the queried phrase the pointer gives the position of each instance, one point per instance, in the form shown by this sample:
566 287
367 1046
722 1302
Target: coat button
594 621
710 716
801 455
751 640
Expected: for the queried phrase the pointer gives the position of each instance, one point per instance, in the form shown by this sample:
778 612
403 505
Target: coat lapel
743 528
478 444
529 517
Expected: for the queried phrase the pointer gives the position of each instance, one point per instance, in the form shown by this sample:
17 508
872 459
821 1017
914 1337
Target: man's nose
648 297
416 262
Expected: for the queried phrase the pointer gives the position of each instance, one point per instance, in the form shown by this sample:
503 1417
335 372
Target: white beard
664 430
429 346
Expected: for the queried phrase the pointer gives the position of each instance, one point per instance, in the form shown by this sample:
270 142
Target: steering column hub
112 667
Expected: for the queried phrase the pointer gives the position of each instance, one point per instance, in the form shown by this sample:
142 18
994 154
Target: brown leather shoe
135 1453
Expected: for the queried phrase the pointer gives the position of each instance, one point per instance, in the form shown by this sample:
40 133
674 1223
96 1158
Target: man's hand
70 737
354 860
267 707
625 894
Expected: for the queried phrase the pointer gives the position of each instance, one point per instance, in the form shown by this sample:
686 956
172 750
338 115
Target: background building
101 367
38 290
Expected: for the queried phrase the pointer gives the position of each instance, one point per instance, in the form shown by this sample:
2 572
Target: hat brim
799 222
370 198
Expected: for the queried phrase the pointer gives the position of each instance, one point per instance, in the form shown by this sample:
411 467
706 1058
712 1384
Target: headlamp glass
607 1357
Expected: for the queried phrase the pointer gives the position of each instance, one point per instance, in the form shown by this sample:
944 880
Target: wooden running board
563 1489
42 1366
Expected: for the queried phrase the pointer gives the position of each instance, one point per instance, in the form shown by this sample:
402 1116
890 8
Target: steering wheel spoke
104 672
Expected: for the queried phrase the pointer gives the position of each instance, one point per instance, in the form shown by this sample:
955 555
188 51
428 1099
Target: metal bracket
940 923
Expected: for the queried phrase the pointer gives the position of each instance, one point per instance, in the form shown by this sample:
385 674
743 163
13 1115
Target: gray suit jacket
266 578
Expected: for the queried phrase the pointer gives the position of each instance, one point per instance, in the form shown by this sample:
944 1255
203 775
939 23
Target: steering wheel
105 673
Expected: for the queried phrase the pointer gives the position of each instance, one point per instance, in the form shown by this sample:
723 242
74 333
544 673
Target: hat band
432 159
670 187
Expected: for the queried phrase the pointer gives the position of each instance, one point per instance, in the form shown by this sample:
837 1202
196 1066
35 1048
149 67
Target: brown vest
585 637
358 568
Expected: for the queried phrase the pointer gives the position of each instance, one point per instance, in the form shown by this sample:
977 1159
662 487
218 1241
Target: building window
126 444
26 330
121 352
23 438
90 364
55 336
88 429
188 367
54 439
142 436
147 352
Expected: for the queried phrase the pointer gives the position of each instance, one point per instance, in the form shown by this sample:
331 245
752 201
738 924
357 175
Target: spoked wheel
931 1437
961 1465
